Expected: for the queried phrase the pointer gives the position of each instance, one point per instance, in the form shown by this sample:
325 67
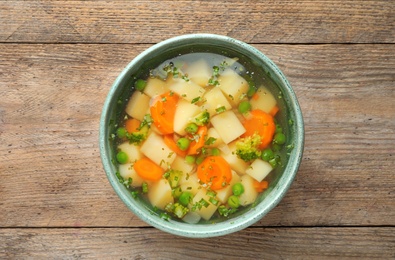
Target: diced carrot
215 172
162 110
169 141
198 142
261 123
274 111
260 186
132 125
148 170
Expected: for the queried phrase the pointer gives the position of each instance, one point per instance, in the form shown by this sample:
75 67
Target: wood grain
265 243
51 99
151 21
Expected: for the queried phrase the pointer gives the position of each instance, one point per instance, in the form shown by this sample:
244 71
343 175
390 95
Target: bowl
290 117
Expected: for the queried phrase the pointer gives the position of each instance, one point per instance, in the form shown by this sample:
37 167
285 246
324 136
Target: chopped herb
210 141
196 99
144 187
220 110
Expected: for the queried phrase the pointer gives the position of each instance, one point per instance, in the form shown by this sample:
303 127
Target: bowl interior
289 117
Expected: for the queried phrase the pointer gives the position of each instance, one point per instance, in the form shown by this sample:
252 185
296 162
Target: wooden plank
134 243
151 21
51 99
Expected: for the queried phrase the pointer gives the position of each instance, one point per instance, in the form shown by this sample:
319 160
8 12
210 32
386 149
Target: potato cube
133 151
204 212
199 72
187 89
190 183
211 132
250 194
159 194
138 105
259 169
233 86
228 126
234 161
155 149
263 100
224 194
215 99
127 171
155 87
180 164
185 112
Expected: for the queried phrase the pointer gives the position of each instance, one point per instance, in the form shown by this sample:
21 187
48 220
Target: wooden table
58 60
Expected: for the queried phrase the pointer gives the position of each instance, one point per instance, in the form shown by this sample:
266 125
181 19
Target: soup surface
198 138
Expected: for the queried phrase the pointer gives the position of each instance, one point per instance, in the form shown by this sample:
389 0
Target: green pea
140 84
251 91
279 138
122 157
244 107
121 132
233 202
215 151
276 147
237 189
267 154
279 129
183 143
200 159
191 128
185 198
190 159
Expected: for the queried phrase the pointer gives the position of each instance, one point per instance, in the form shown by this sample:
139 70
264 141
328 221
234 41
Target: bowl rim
233 224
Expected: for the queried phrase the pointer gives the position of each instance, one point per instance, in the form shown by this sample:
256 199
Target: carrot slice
274 111
261 123
215 172
162 110
169 141
198 142
148 170
132 125
260 186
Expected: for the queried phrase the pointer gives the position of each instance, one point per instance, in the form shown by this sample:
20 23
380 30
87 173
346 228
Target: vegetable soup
198 138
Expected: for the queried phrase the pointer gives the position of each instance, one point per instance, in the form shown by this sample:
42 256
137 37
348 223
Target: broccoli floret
202 119
247 148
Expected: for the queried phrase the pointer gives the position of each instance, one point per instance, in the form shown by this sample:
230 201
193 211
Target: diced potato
204 212
199 72
223 194
159 194
133 151
138 105
187 89
250 194
155 149
155 87
264 100
190 183
185 112
180 164
234 161
228 126
215 99
211 132
233 86
127 171
191 218
259 169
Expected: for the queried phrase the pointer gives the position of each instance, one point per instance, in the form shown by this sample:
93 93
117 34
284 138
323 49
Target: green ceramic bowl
290 117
